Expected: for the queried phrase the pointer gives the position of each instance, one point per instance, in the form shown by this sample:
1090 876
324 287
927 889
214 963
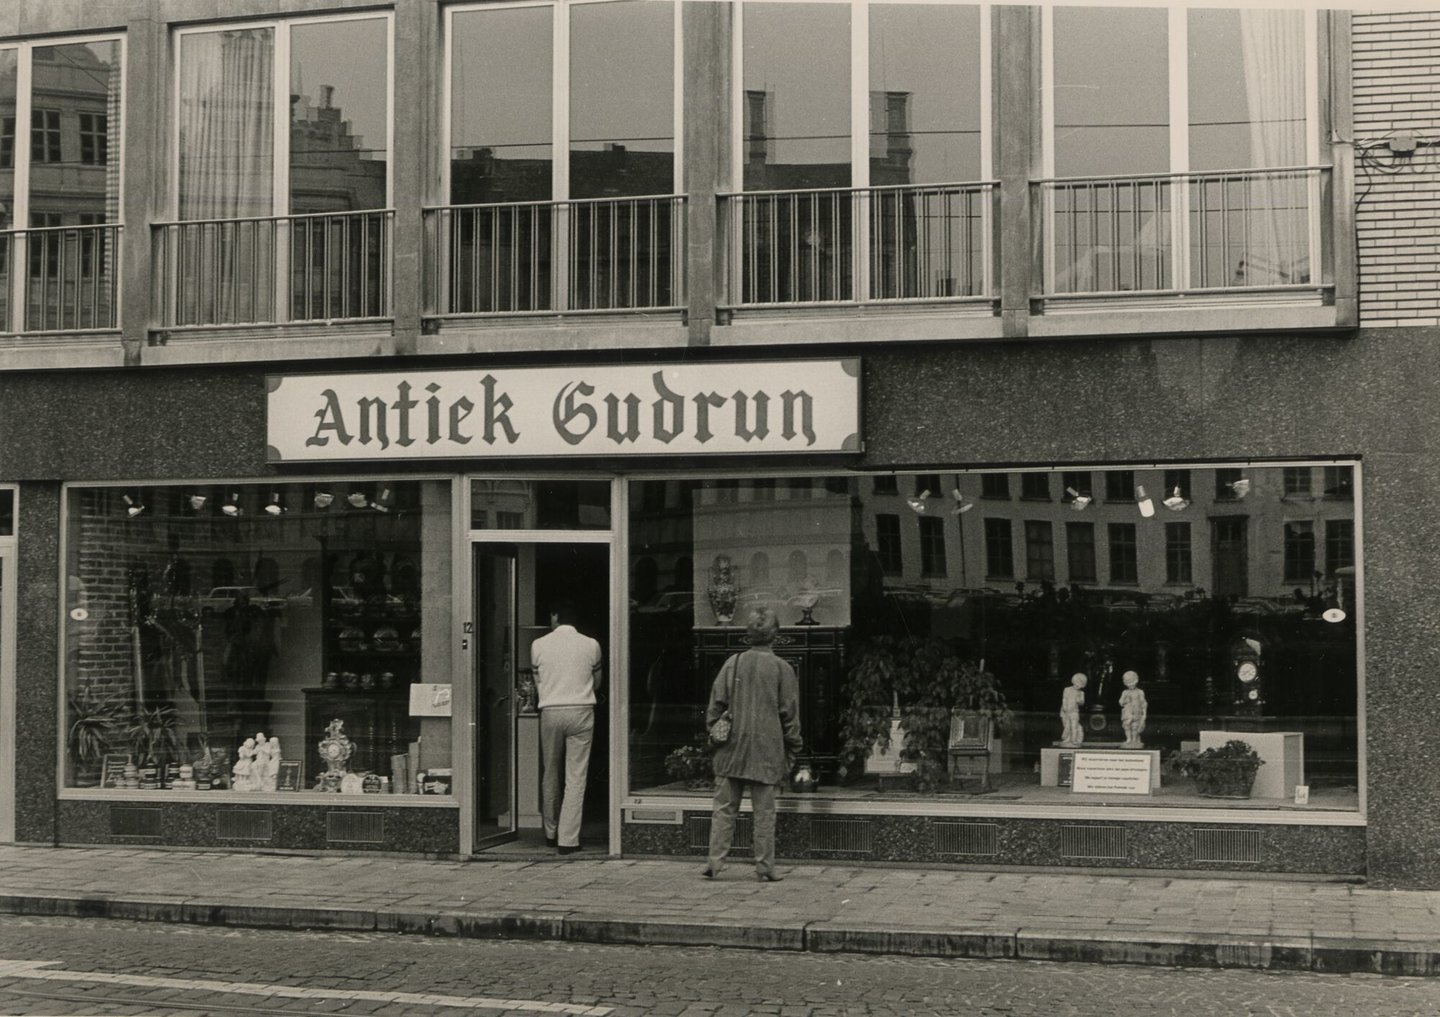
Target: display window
243 638
955 639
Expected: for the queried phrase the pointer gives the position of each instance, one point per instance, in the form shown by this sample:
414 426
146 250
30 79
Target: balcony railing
910 243
329 266
548 257
1182 232
60 279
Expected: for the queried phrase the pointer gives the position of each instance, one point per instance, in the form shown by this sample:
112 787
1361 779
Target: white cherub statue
242 775
1073 734
1133 710
266 772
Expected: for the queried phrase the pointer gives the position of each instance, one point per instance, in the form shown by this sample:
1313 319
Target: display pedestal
1050 760
527 763
1283 753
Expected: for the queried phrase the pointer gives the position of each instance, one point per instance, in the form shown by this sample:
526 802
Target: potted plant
153 738
1221 771
926 684
692 764
94 718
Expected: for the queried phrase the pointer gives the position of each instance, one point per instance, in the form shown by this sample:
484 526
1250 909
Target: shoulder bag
720 730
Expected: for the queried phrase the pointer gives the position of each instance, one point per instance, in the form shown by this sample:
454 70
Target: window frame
282 27
559 89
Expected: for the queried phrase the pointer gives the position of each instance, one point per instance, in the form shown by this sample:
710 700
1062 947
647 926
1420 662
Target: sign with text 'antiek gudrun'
803 406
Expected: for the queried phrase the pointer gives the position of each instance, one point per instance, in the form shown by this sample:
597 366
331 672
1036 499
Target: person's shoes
708 873
567 849
768 877
551 842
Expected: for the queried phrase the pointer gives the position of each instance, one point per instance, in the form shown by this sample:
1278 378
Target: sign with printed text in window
768 407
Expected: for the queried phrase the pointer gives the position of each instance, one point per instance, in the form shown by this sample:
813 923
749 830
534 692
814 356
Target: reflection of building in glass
332 170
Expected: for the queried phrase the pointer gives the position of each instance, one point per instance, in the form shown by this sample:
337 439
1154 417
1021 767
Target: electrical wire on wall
1392 154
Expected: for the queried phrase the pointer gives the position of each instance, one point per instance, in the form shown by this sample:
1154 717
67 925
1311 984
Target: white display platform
1050 761
1282 751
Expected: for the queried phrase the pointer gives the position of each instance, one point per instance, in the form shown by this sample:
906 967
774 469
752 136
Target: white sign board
1112 773
801 406
428 699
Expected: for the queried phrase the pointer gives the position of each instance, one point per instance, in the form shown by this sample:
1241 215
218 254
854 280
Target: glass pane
1247 88
924 94
9 62
7 513
76 87
1112 88
1226 608
622 99
502 64
227 136
339 115
498 504
796 102
207 622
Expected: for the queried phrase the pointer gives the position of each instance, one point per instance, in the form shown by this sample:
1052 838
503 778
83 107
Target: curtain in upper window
227 133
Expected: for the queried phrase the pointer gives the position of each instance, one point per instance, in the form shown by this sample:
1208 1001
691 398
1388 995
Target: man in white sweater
567 673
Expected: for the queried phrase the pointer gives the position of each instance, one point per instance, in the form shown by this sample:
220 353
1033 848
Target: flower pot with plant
95 719
693 764
1221 771
153 738
923 684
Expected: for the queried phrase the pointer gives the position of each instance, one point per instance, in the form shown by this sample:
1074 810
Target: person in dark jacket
763 697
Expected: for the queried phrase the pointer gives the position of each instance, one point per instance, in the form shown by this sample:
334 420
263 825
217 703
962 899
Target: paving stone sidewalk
1141 919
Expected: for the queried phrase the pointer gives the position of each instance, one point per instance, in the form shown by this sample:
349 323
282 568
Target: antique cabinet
817 652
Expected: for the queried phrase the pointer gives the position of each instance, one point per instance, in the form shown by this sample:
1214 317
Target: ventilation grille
1094 842
967 838
355 827
699 827
852 836
1227 845
128 821
244 824
655 817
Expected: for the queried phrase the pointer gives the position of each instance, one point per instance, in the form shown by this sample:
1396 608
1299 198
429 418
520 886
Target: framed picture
292 775
969 730
112 772
1067 770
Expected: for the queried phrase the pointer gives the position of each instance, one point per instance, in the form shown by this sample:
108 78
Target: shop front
1132 665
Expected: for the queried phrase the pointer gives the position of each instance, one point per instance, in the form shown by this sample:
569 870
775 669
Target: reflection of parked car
223 598
662 603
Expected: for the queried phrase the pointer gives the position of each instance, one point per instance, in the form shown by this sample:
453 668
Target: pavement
1191 921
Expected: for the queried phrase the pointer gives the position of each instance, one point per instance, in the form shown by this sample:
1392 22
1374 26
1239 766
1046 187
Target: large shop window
245 638
930 669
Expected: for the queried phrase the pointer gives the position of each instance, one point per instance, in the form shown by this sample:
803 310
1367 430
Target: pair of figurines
258 768
1133 711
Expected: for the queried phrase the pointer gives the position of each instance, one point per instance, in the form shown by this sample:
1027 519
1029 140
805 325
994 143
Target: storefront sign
1113 773
801 406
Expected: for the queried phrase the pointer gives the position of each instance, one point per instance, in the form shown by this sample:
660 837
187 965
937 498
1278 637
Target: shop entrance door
516 585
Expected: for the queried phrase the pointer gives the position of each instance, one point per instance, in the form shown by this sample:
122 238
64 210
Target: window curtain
227 136
1276 227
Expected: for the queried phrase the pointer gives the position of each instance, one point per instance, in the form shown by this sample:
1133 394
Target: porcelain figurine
1073 734
1133 710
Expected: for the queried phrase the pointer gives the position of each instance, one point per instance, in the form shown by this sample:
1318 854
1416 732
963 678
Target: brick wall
1397 88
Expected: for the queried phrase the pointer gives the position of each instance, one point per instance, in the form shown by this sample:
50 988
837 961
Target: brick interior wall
1397 89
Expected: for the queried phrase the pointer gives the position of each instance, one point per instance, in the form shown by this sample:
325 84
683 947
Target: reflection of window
7 142
995 485
1124 557
1177 553
759 569
886 484
887 544
927 482
1119 485
1039 551
797 567
1297 481
45 136
94 139
1080 551
1225 484
999 555
1299 551
1074 480
932 546
1177 480
1339 482
1339 544
1035 485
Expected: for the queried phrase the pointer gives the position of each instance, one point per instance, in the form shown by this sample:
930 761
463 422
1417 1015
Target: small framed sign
291 775
1116 773
112 773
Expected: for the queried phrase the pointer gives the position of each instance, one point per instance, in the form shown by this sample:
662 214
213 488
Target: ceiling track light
382 503
1143 502
232 506
1177 502
961 505
358 499
133 506
274 507
196 502
1078 501
1241 487
323 500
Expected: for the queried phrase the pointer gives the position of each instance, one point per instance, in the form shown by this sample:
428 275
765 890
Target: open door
496 569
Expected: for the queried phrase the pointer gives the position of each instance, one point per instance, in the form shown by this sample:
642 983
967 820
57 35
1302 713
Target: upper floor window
918 71
329 78
560 100
94 139
45 136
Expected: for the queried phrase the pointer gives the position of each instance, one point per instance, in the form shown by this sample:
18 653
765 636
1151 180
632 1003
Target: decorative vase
722 590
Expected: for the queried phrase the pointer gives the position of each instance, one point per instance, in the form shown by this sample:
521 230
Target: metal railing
60 279
1182 232
906 243
327 266
548 257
